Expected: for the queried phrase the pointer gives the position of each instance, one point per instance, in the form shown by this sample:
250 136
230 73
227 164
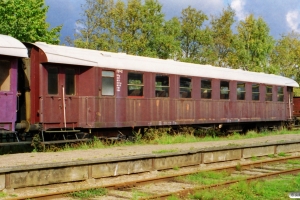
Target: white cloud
292 18
78 27
238 7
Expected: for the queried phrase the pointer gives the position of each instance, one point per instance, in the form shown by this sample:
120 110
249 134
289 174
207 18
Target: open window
162 86
52 80
241 91
280 94
269 93
185 87
108 80
206 89
4 75
135 84
70 81
255 92
224 90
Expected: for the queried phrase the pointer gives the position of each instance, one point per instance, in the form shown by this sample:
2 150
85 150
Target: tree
134 28
253 45
223 38
286 56
26 21
127 25
94 27
159 38
192 36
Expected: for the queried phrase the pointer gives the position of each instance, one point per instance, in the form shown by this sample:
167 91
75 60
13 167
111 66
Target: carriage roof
10 46
122 61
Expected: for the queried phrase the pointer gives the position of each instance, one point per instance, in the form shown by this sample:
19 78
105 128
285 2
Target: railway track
155 188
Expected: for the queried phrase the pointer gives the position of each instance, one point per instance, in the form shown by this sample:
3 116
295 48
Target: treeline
140 28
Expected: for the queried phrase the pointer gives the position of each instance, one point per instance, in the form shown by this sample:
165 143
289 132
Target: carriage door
7 96
68 94
61 103
290 102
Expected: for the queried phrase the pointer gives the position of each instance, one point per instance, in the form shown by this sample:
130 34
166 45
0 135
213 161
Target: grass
238 167
265 189
294 162
168 136
272 156
209 177
254 158
282 154
138 194
2 194
91 193
165 151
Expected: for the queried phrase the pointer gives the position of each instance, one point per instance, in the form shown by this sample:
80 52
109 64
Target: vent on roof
105 55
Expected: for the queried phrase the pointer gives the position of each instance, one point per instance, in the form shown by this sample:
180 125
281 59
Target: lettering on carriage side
119 83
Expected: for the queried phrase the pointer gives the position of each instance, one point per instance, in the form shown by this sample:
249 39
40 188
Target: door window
4 75
52 80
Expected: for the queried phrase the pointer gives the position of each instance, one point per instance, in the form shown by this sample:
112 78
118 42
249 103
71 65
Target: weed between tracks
89 193
209 178
264 189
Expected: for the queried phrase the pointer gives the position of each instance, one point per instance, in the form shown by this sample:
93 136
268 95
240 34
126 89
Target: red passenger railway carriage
80 90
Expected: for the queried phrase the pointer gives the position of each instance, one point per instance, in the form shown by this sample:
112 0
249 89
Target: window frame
70 90
225 96
141 85
254 92
50 81
207 89
108 77
164 92
241 95
5 86
269 95
280 93
181 87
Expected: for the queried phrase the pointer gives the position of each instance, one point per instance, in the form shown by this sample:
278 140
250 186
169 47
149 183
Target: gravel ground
91 154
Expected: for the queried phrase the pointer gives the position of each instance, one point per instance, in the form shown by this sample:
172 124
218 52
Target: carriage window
4 75
255 92
162 86
241 91
224 90
135 84
108 87
206 89
280 95
52 80
185 87
70 81
268 93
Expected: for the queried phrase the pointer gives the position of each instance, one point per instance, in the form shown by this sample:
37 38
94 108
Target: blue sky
282 16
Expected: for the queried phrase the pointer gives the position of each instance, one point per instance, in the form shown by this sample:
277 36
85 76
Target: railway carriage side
79 90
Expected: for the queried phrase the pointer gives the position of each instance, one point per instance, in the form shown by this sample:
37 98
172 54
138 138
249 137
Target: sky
282 16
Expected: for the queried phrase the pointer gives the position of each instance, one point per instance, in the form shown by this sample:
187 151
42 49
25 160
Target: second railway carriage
75 89
11 52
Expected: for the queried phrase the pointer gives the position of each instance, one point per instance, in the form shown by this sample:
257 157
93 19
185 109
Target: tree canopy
26 21
139 28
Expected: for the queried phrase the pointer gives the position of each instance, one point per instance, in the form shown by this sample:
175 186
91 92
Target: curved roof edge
94 58
10 46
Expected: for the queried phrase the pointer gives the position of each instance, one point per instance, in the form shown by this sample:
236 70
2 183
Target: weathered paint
89 109
8 99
